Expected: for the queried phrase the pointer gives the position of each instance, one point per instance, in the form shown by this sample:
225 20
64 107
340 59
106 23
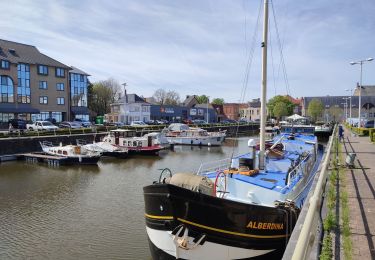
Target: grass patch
327 253
345 212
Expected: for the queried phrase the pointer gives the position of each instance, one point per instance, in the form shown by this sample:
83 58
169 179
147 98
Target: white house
129 108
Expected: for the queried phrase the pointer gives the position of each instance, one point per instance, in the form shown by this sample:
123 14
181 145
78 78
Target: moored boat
323 129
183 134
124 138
231 209
243 207
71 154
105 148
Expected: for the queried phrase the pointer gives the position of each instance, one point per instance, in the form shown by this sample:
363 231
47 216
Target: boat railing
219 165
47 143
81 142
293 173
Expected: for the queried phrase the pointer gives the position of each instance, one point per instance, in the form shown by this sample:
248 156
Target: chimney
125 94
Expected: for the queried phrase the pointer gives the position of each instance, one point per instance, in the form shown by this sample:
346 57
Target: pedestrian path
361 195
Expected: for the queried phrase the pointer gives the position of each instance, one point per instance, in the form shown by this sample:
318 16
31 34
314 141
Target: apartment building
34 86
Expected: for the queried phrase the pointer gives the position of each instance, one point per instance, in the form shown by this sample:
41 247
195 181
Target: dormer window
12 51
4 64
60 72
42 70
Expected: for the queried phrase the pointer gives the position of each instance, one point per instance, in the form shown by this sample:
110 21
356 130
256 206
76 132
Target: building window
5 117
42 116
42 70
57 116
23 90
43 85
78 89
60 87
61 101
4 64
43 100
60 72
6 90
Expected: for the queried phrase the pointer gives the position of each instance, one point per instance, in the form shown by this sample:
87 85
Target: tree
172 98
202 99
160 96
163 97
315 108
218 101
280 110
276 99
335 113
101 94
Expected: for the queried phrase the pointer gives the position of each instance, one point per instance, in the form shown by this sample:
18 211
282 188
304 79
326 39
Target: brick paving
361 195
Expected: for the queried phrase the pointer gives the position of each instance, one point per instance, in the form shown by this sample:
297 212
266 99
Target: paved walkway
361 195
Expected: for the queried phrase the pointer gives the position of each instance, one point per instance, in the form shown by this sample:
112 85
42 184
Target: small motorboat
106 149
124 138
183 134
71 154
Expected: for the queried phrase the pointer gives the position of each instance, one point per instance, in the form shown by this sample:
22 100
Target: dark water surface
87 212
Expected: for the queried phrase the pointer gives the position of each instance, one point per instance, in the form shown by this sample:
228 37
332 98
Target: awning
80 110
17 108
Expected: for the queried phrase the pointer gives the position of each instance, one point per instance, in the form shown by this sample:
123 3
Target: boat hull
204 141
232 230
148 150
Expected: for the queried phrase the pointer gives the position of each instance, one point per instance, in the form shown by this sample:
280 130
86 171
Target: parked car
138 123
370 124
68 124
41 126
187 121
152 122
83 123
19 124
229 121
199 122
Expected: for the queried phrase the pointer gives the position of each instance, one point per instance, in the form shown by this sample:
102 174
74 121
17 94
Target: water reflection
87 212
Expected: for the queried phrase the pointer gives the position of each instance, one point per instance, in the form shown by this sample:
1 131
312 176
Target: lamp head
353 63
370 59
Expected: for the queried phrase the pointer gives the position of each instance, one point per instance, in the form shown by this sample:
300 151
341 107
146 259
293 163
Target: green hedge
372 134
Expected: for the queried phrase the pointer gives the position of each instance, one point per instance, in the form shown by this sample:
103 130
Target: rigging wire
272 61
248 65
282 60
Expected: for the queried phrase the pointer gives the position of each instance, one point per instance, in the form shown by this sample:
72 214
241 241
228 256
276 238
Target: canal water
87 212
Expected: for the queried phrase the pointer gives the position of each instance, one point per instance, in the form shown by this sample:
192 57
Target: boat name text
265 225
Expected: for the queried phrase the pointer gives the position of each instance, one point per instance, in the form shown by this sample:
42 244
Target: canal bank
25 144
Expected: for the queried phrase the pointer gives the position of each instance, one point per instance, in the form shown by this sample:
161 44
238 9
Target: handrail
305 241
290 176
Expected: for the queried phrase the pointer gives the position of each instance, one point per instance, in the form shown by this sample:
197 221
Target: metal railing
219 165
304 235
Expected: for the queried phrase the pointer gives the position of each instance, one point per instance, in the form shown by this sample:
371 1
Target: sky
203 46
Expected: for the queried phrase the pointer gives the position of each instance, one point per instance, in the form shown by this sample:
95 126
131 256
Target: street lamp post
360 62
208 100
346 108
350 103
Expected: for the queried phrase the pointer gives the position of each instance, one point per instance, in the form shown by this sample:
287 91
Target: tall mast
264 88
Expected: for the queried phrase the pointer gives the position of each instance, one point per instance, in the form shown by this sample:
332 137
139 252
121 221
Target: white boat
158 138
71 154
322 128
183 134
241 207
105 148
124 138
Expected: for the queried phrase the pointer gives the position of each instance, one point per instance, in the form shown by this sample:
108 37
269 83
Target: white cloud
198 46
